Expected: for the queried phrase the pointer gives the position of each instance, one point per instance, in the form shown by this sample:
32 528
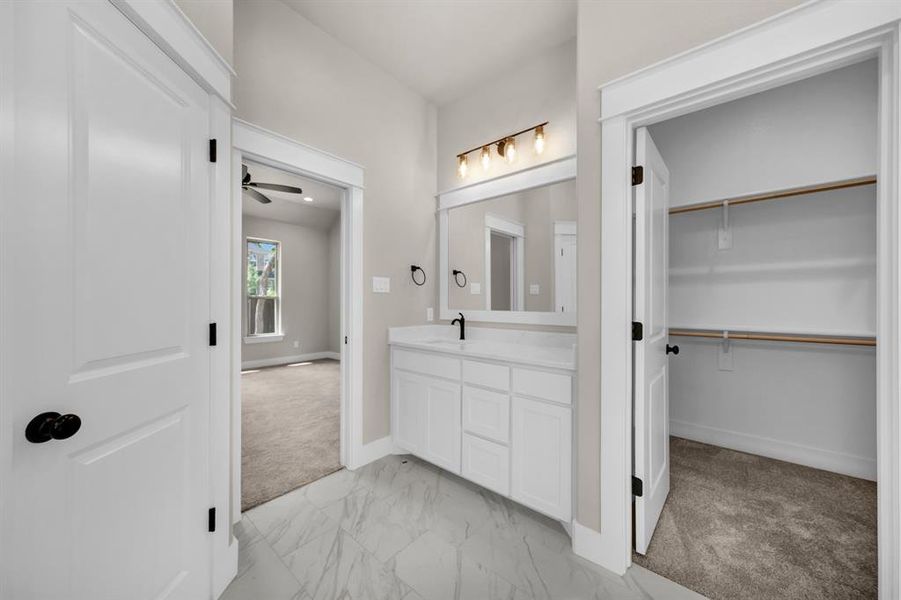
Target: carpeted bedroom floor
739 526
290 428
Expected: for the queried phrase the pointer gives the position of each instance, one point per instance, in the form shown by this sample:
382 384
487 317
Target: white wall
215 21
542 89
805 264
617 37
307 274
295 79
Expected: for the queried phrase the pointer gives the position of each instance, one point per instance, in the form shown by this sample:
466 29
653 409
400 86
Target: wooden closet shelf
775 337
775 195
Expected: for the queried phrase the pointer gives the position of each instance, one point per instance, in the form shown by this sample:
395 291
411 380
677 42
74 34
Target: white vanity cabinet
504 426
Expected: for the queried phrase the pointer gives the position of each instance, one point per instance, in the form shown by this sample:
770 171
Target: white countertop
535 348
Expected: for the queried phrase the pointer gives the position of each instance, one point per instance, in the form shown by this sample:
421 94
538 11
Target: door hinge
211 520
637 487
212 334
637 331
213 150
637 175
345 339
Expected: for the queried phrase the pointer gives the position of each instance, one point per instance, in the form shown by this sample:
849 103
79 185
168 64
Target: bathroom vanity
496 409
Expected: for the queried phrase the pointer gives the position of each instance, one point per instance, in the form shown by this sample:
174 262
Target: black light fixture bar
502 139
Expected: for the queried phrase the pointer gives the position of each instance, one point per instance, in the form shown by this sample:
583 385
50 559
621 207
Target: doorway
755 376
338 184
291 345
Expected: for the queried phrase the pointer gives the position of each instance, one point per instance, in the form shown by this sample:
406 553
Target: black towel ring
413 269
457 279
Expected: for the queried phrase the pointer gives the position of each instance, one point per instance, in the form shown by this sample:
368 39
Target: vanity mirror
508 247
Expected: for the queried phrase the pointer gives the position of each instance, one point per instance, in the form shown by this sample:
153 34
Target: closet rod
799 191
774 337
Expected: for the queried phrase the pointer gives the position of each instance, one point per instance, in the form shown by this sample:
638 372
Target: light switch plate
475 288
534 289
381 285
430 314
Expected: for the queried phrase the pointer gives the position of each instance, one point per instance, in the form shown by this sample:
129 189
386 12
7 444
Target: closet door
651 388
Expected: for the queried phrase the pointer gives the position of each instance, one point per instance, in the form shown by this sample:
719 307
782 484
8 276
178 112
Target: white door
565 273
541 440
651 422
442 401
105 308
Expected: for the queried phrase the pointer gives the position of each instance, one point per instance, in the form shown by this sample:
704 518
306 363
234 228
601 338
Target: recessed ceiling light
307 199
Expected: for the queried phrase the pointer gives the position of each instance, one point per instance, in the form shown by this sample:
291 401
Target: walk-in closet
772 315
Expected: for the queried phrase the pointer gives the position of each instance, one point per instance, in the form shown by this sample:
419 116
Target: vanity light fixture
506 149
539 139
462 166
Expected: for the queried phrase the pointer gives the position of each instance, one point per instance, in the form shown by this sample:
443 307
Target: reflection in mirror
518 251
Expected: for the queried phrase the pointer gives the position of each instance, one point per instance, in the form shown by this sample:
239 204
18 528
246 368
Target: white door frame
517 231
260 145
813 38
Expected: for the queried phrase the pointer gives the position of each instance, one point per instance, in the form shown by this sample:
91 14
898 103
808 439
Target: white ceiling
322 213
443 48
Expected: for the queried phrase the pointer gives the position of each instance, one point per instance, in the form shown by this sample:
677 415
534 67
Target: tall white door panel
651 403
105 312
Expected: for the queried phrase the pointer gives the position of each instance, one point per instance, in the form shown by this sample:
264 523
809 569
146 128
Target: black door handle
52 426
672 349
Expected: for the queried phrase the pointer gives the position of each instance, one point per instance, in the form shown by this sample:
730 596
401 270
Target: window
263 286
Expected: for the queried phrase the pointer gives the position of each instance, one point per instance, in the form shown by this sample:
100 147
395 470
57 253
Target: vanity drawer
486 414
539 384
488 375
428 364
487 464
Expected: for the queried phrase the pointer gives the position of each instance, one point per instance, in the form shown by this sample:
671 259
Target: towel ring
457 279
413 269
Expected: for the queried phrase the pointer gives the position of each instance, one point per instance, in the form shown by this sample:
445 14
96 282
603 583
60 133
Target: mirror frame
548 173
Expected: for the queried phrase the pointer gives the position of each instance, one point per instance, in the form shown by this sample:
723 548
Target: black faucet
462 322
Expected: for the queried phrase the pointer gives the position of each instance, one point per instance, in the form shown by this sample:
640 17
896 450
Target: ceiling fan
248 186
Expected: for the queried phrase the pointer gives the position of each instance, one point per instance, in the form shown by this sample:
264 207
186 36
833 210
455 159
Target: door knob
672 349
52 426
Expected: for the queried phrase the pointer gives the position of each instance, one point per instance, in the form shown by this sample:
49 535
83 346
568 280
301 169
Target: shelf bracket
724 233
725 361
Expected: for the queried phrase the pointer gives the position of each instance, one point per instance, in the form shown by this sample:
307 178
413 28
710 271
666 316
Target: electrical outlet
475 289
534 289
430 314
296 343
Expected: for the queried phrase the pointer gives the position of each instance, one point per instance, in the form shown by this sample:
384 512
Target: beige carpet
738 526
290 420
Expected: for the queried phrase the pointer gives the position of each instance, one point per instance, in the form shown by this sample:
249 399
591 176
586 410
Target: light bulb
510 150
486 158
462 167
539 139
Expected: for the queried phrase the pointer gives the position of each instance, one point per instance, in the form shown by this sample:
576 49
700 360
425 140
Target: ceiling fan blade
245 176
275 187
256 195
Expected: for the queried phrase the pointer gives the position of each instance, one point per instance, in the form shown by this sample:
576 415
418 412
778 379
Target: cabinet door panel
443 424
542 457
409 411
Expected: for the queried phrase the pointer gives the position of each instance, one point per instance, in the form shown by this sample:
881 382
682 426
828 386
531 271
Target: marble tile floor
402 529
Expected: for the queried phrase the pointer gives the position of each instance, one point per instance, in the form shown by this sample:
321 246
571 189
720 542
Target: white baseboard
592 546
836 462
283 360
372 452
